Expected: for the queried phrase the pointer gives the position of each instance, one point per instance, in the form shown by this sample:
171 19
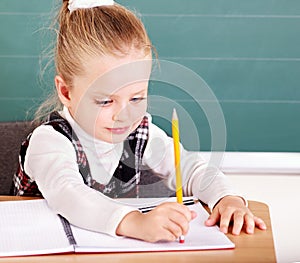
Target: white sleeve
199 179
51 161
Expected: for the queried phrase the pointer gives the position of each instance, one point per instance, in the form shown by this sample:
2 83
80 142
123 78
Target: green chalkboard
246 55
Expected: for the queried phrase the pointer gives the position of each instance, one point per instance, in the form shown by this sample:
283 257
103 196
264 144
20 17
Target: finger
174 230
164 235
260 223
213 218
249 223
184 210
225 221
238 222
180 220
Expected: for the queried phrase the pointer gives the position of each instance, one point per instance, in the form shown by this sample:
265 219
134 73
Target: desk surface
249 248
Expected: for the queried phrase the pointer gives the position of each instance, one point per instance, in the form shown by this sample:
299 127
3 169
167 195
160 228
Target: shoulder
45 139
154 130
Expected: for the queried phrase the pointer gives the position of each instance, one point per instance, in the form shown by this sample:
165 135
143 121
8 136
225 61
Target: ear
63 90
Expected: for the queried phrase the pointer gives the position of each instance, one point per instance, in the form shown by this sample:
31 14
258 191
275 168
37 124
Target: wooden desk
249 248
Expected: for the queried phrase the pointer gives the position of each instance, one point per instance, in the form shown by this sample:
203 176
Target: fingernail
250 230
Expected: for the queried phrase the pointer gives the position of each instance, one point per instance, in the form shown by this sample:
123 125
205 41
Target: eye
137 99
104 102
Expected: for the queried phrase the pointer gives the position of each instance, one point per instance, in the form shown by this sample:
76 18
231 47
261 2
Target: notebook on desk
31 228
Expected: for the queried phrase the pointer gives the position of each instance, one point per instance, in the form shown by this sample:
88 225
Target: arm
201 180
51 161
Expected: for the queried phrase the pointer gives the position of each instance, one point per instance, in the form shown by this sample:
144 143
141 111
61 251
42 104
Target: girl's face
110 99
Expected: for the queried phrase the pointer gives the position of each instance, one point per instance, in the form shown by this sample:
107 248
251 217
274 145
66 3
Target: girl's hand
232 208
166 222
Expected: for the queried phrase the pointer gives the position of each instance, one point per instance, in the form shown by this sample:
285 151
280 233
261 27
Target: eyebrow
141 91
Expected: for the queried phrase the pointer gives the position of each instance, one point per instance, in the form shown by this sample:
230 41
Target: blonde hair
104 30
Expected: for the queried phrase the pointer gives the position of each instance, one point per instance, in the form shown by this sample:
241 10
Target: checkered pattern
22 183
142 130
126 178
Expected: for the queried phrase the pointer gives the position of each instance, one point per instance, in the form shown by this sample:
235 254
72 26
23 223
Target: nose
121 112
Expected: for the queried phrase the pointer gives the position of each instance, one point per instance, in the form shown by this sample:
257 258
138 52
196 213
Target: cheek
138 111
86 116
102 119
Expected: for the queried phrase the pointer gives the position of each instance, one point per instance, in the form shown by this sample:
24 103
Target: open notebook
31 228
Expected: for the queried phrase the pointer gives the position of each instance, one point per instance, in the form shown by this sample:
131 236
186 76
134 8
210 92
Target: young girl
96 144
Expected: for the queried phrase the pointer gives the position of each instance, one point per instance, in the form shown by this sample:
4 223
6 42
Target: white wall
272 178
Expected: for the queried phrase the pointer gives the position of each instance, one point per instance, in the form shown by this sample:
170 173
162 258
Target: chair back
11 136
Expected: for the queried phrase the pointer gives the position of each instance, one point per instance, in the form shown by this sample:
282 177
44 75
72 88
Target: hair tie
77 4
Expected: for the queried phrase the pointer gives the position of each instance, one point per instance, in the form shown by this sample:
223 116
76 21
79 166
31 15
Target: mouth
118 131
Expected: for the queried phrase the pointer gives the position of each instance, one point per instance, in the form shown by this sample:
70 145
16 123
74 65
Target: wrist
233 198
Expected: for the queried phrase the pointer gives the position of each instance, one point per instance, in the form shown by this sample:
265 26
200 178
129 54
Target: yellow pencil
176 142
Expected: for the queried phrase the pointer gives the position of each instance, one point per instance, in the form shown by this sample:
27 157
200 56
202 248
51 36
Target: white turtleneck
51 162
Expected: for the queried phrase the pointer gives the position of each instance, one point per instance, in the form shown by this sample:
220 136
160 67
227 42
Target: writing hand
165 222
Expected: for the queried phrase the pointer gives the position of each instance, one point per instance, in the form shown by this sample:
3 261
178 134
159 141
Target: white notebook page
30 227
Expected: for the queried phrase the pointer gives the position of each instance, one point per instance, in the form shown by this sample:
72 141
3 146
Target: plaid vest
126 178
